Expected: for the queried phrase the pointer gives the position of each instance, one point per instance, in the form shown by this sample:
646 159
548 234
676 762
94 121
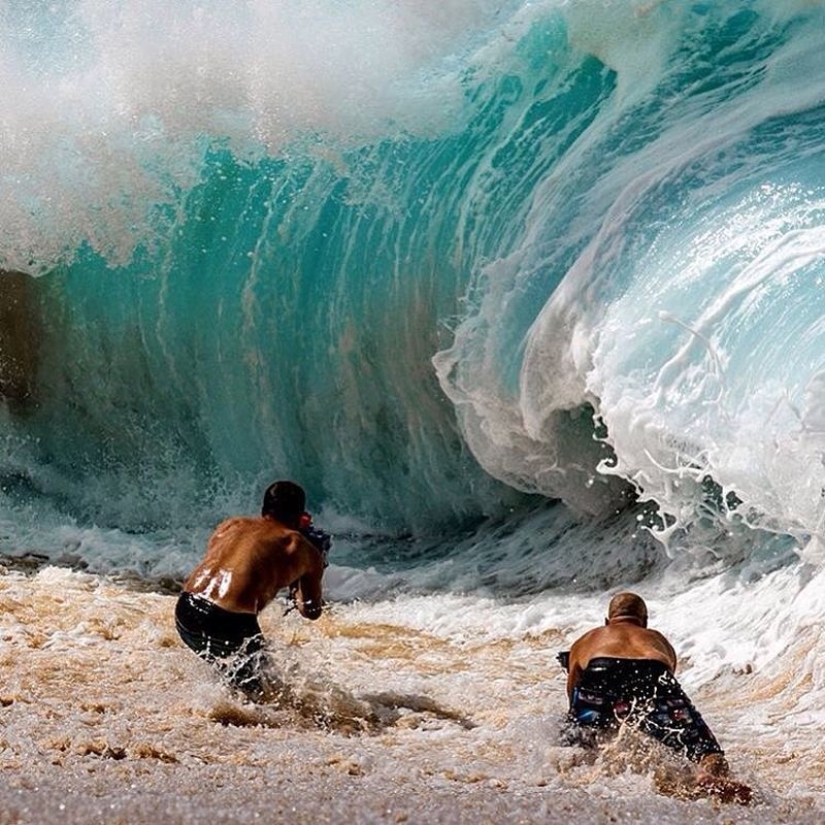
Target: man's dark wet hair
284 501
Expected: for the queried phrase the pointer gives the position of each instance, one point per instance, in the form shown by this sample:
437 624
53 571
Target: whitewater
528 297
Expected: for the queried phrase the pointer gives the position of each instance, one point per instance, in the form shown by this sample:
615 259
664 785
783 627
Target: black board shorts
645 694
232 641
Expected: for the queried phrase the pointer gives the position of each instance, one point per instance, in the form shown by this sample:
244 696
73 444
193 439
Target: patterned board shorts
645 694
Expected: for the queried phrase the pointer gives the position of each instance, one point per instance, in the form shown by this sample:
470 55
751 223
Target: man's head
624 606
284 501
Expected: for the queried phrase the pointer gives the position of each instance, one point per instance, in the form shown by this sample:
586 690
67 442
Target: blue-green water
443 267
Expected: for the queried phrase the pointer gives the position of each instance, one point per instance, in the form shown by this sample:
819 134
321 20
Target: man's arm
308 606
308 598
579 657
668 648
573 676
307 595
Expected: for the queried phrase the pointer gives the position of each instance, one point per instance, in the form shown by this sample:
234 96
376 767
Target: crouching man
248 560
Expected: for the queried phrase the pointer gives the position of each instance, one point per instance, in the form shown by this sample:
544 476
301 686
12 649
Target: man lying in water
248 560
623 673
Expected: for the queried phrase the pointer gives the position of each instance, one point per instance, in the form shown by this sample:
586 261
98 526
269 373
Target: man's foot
724 789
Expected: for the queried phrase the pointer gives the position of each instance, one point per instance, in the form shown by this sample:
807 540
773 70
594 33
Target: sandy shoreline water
105 717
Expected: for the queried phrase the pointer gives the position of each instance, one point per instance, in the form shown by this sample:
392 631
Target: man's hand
305 600
713 778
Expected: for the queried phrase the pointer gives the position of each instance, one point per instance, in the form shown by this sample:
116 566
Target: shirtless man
623 672
247 561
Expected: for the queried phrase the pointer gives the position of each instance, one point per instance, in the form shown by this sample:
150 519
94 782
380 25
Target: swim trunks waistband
609 670
207 628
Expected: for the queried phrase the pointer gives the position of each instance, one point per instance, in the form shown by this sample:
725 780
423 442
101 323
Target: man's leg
245 669
675 722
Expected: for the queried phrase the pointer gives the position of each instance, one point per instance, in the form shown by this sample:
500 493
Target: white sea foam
443 694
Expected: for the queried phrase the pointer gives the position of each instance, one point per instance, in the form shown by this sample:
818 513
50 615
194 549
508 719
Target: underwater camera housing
320 539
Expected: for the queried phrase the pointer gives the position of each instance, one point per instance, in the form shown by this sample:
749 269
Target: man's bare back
621 638
248 560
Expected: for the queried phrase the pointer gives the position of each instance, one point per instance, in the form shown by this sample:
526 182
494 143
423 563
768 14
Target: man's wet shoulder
236 523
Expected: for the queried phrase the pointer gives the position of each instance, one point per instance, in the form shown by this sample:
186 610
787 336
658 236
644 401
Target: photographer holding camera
248 560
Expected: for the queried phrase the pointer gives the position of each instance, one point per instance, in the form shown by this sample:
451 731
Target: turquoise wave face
515 263
281 329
